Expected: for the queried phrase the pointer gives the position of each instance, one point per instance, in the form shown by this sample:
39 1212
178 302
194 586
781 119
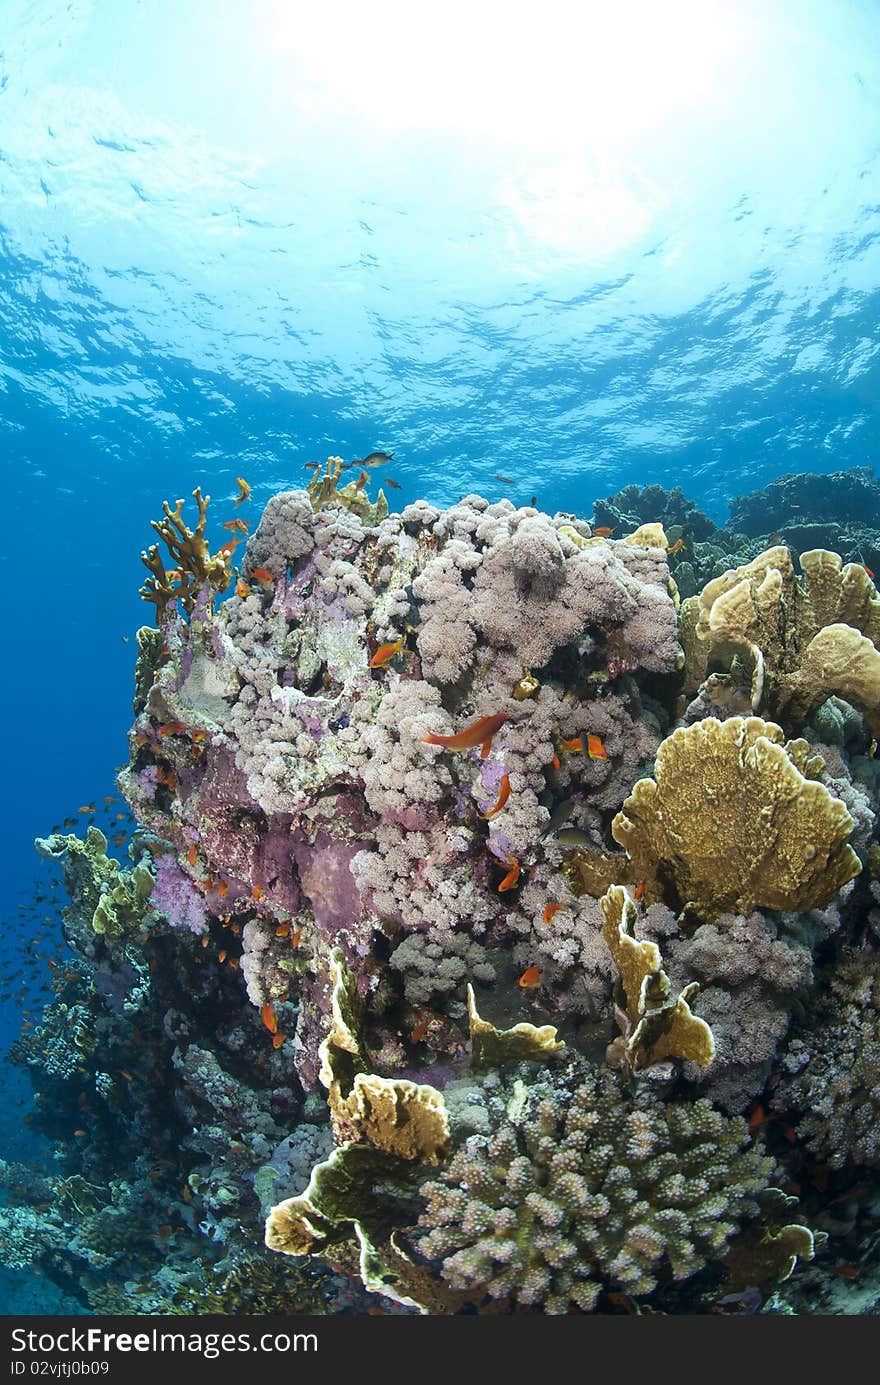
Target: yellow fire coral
730 823
658 1026
795 642
490 1047
324 488
195 566
402 1118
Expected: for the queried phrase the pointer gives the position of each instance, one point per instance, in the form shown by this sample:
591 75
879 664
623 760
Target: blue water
234 239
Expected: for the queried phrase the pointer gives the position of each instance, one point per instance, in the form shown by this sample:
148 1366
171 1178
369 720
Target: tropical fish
261 575
362 480
171 728
385 653
389 481
505 480
229 547
373 459
87 808
574 747
242 588
257 893
244 490
675 548
238 526
295 937
602 532
223 889
192 855
221 955
595 748
278 1040
282 930
868 570
421 1028
503 796
511 878
550 910
530 978
480 732
269 1018
560 815
312 466
640 890
556 762
574 836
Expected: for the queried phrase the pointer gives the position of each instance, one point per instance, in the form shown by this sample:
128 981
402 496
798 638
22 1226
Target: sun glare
503 72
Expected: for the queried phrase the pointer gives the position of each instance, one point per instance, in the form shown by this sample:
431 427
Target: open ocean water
533 255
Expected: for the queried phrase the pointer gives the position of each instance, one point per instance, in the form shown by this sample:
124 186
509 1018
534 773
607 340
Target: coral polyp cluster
489 942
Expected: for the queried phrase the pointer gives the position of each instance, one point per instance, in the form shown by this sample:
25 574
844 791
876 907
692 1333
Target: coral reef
472 927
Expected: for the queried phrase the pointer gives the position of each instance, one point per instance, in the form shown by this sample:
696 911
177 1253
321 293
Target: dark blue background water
235 238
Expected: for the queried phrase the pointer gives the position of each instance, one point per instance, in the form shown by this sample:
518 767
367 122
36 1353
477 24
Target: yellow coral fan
729 823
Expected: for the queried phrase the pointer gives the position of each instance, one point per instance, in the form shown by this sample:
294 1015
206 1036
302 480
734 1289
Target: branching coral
576 1189
196 568
832 1082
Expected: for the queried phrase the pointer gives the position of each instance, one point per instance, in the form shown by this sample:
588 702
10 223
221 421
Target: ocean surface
239 238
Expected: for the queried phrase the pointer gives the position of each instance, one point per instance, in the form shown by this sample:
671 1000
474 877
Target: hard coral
195 568
729 823
576 1189
797 642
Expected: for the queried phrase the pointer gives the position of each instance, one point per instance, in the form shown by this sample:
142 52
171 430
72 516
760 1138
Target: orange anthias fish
242 588
237 526
172 728
530 978
574 747
503 796
385 653
278 1039
595 748
229 547
550 910
675 548
512 876
480 732
868 570
421 1028
603 532
269 1018
192 855
244 490
261 575
640 890
362 480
